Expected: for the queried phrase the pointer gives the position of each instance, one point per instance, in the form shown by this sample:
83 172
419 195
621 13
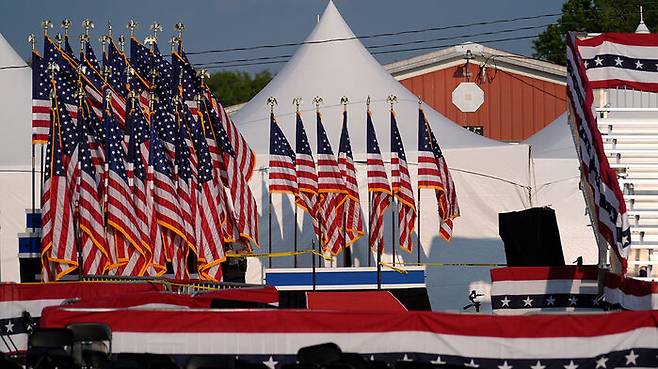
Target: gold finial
104 40
66 24
53 68
202 74
173 42
179 27
344 101
368 102
420 101
59 39
108 98
45 24
156 27
83 38
122 43
87 24
130 72
297 101
131 27
317 101
392 99
32 40
107 72
109 29
271 101
150 40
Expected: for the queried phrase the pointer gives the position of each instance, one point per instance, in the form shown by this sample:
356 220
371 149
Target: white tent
490 176
555 182
15 179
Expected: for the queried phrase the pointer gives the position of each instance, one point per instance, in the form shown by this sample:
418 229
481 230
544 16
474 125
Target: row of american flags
143 165
329 192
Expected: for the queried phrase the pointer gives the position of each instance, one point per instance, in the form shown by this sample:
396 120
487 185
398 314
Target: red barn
501 95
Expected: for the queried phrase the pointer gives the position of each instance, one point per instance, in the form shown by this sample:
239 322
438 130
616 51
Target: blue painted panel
346 278
33 220
28 245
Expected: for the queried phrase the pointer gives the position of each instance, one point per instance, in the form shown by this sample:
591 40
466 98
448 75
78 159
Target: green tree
591 16
234 87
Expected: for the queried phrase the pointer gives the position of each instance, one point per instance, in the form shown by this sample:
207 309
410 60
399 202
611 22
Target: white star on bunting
527 301
601 363
538 366
505 366
550 301
437 361
505 302
472 364
10 327
631 358
270 363
571 365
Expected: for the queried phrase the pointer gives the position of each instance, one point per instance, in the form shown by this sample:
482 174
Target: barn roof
482 55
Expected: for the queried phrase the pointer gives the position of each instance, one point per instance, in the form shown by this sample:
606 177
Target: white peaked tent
490 176
15 178
555 182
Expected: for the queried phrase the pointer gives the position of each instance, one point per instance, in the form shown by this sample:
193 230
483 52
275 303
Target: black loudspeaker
30 269
531 237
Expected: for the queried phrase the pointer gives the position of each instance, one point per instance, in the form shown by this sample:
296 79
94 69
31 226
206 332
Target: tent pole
418 229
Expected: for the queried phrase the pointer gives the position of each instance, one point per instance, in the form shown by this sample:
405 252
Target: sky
221 24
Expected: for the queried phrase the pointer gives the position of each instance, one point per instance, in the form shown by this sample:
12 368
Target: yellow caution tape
391 266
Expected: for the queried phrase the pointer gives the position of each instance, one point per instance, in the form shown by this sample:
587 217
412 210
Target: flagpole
392 99
347 252
271 102
420 105
295 241
418 229
269 232
32 40
78 236
317 100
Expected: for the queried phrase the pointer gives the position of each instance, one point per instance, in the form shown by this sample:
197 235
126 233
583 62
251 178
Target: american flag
164 83
95 256
378 188
58 252
245 159
216 146
167 207
186 191
119 207
166 200
119 79
609 201
66 77
352 205
307 178
331 188
433 173
282 161
95 84
142 189
40 100
189 83
210 242
245 210
141 60
401 185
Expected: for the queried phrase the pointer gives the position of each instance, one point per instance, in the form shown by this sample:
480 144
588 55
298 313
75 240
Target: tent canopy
331 70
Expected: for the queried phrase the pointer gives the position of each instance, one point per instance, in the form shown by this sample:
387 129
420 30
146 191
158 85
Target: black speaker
531 237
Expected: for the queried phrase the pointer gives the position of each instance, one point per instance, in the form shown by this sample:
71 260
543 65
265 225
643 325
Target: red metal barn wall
515 106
